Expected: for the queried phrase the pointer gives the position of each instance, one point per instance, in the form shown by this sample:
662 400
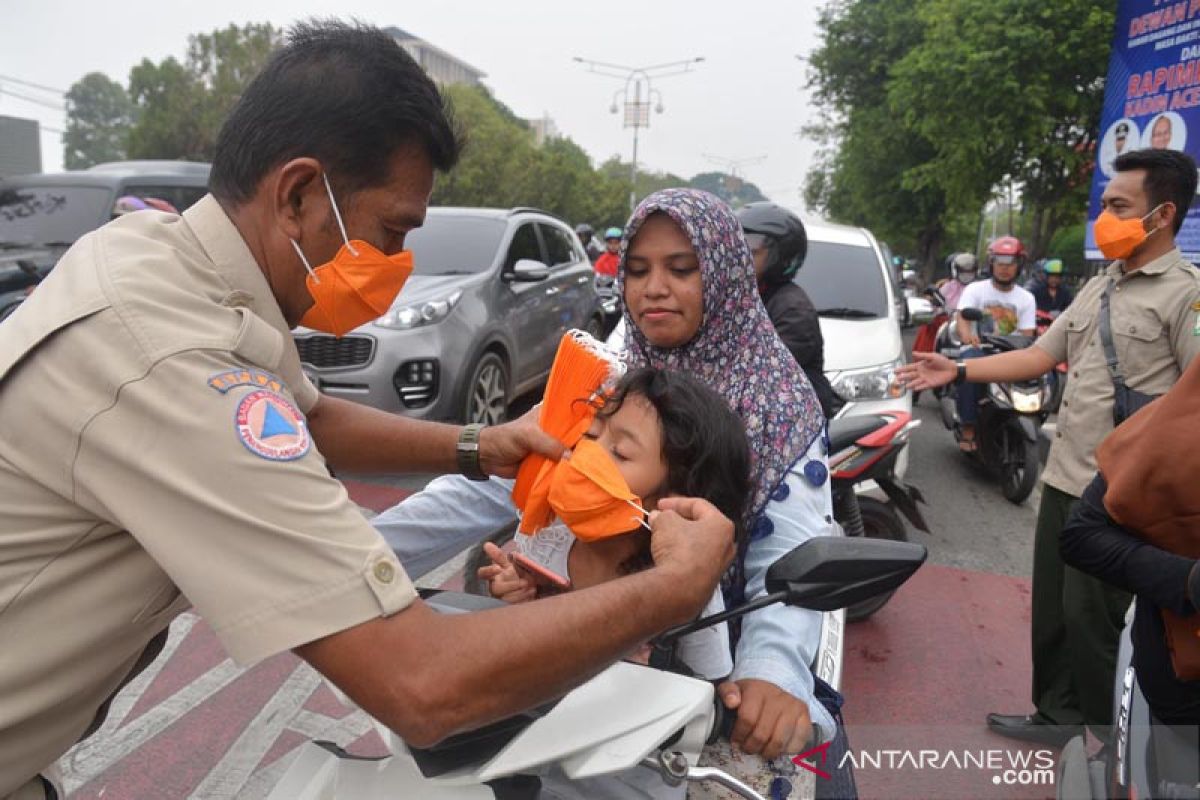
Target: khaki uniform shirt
1155 323
154 455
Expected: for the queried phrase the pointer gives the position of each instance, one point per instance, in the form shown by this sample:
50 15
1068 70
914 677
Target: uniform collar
1156 267
234 262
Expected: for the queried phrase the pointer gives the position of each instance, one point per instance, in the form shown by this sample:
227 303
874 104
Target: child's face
634 440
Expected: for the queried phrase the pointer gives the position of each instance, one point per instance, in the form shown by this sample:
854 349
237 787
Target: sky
746 101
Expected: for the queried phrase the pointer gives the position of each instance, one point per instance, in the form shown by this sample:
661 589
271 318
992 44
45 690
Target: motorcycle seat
845 431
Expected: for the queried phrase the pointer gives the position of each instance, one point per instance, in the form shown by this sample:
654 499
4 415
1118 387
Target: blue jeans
967 393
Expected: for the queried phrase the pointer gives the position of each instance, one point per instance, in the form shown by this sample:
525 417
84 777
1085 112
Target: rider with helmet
963 269
587 237
1052 296
1006 307
779 243
606 264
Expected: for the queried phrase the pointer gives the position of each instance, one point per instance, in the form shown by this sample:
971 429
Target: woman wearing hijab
690 303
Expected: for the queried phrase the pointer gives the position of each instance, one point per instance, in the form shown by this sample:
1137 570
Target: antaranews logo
1007 767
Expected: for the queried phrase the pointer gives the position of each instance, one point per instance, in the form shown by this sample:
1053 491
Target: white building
437 63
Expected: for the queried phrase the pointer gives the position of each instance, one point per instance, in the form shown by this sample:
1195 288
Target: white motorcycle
629 717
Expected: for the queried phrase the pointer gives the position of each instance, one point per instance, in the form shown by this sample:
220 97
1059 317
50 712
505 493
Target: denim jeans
968 393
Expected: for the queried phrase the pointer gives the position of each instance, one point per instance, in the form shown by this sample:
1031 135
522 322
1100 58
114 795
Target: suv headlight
873 383
415 316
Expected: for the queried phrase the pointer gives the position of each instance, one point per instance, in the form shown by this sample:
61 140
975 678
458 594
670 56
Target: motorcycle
1145 758
609 307
1058 375
627 717
1010 418
865 448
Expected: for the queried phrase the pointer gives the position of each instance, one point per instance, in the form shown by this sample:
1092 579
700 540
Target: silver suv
477 324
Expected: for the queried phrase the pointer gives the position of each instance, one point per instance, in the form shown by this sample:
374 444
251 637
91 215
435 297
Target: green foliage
99 114
1067 244
937 103
730 188
181 105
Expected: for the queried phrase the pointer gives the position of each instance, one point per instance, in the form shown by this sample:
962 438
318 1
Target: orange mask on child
589 494
357 286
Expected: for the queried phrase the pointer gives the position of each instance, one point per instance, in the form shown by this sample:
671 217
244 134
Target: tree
730 188
182 105
99 116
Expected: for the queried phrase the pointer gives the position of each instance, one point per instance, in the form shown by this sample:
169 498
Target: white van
846 275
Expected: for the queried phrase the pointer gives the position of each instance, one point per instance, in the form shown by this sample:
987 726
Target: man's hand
502 448
770 721
927 371
971 339
693 541
504 582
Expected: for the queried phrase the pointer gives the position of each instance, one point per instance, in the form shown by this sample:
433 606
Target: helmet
963 262
784 234
584 231
127 203
613 233
1006 246
1053 266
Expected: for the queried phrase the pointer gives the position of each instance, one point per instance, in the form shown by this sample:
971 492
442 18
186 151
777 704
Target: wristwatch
467 453
961 374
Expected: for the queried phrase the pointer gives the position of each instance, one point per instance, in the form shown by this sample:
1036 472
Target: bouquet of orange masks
582 370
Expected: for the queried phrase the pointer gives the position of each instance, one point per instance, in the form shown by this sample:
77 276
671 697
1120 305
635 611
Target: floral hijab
736 350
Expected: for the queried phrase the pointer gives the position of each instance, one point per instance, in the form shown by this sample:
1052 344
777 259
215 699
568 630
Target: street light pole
637 113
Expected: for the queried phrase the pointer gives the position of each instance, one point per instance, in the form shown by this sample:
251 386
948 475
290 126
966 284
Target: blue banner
1152 98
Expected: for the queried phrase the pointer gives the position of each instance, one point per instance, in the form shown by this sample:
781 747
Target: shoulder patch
271 427
224 381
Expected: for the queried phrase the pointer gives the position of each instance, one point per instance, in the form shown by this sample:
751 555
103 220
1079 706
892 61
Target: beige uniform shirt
1155 323
153 456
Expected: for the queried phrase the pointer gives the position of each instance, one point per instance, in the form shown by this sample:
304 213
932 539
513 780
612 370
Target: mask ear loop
338 215
642 519
307 266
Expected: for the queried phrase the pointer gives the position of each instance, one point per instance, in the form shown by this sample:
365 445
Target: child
666 434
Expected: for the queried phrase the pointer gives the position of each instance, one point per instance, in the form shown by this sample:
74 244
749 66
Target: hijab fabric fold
736 350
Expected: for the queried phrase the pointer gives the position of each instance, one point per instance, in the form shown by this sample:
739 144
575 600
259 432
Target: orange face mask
1118 238
589 494
357 286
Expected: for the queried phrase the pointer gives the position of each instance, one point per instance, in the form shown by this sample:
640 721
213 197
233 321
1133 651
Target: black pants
1077 623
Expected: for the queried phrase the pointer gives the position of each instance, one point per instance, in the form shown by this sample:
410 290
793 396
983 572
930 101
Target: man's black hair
345 94
1170 177
704 441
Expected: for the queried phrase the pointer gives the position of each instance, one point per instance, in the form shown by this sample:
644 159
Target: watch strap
467 453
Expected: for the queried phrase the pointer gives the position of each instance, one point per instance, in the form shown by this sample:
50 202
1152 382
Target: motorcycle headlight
414 316
1027 402
873 383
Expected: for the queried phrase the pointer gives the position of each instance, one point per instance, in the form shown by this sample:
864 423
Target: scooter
609 307
865 448
1146 758
627 717
1010 416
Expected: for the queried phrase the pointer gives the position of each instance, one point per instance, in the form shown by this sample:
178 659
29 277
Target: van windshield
37 215
844 281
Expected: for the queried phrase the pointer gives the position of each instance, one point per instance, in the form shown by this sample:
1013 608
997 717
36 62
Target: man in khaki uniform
162 449
1155 322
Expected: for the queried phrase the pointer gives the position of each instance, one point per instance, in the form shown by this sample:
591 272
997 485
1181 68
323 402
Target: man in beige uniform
1155 322
160 444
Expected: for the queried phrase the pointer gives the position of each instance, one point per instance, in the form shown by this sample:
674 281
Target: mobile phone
539 574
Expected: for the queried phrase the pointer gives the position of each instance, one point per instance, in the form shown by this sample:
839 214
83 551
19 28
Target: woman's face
633 437
663 289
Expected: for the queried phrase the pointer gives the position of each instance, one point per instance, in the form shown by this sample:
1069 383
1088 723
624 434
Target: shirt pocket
1080 328
1140 344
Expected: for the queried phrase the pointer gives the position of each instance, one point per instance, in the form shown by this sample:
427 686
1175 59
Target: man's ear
296 191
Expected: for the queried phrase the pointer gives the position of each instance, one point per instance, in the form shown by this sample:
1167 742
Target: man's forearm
358 438
1015 365
428 675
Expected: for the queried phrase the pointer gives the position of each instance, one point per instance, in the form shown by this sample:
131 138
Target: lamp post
637 110
733 181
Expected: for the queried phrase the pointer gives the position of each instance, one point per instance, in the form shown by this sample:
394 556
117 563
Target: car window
559 246
844 280
31 215
454 245
524 245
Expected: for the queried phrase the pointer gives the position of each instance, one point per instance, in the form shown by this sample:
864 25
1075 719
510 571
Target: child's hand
504 582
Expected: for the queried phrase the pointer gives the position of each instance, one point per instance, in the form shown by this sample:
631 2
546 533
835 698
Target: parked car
849 279
476 325
42 215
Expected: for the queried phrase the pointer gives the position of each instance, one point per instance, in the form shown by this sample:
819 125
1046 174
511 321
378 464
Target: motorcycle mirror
971 314
831 572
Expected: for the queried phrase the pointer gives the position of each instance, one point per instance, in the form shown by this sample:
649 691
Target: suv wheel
487 392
